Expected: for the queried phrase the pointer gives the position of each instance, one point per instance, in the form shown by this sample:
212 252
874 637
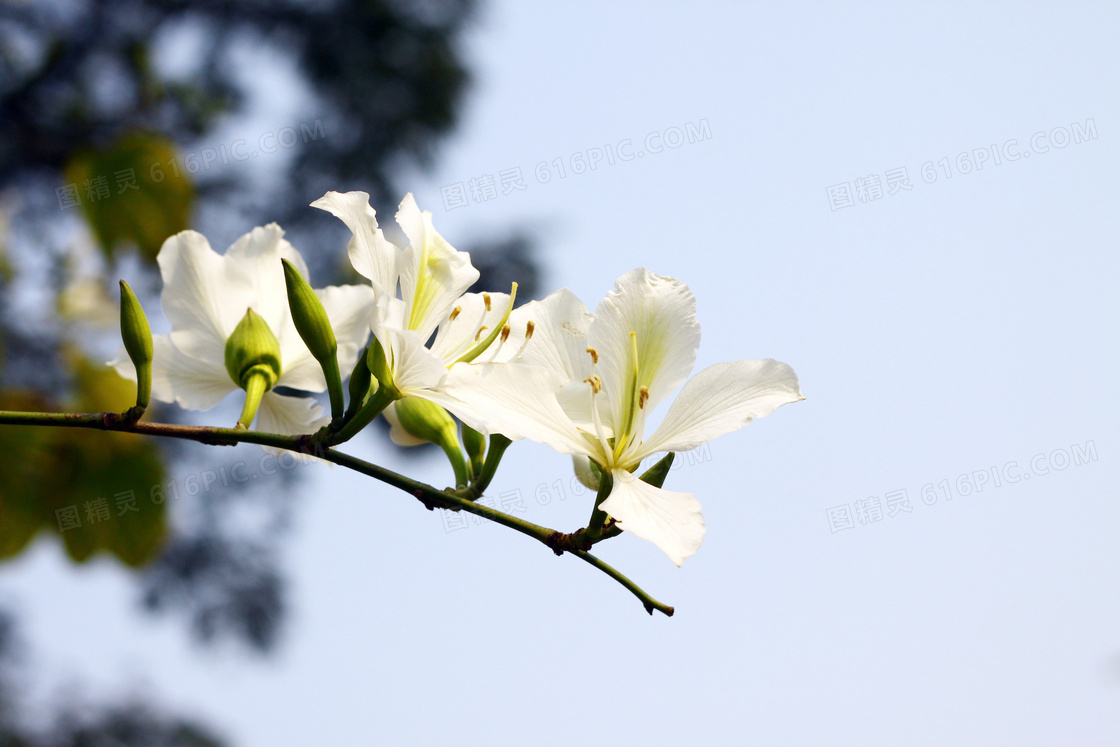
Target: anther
486 300
454 313
529 327
594 355
478 334
595 382
505 333
643 397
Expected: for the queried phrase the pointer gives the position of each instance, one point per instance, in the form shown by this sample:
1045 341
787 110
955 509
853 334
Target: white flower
433 277
639 347
206 295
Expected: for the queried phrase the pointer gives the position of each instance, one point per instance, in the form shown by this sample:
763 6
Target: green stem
334 386
372 407
255 388
430 496
498 446
458 463
143 385
598 518
648 602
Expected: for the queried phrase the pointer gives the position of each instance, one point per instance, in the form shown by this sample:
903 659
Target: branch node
574 542
420 496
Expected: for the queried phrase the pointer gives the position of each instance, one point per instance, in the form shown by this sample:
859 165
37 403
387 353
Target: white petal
123 364
257 255
198 287
372 255
661 311
516 401
349 308
671 521
289 415
471 325
433 274
559 341
723 398
415 368
187 380
400 436
304 373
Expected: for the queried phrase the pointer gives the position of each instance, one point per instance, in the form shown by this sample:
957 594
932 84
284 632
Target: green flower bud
475 444
379 367
315 329
137 336
427 421
359 384
252 350
430 422
253 362
309 315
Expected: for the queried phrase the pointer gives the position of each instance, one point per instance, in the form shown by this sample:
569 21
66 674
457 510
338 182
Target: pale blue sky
940 331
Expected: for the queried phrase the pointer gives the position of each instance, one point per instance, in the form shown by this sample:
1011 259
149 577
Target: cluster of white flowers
549 371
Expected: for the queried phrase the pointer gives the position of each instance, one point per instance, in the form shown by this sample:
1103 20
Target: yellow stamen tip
529 327
505 333
594 355
478 334
486 300
454 313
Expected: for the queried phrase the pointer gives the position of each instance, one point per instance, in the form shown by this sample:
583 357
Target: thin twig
430 496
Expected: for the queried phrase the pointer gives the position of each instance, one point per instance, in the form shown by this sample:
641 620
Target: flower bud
137 336
359 382
379 367
475 445
252 350
309 315
427 421
430 422
315 330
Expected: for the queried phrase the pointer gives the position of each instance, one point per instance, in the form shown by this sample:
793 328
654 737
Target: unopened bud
252 350
430 422
427 421
378 365
475 445
309 315
315 330
137 336
359 382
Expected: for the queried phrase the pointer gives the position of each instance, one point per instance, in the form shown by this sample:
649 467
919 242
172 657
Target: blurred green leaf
136 192
92 488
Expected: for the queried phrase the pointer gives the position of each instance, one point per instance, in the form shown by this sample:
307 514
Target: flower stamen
501 343
596 387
